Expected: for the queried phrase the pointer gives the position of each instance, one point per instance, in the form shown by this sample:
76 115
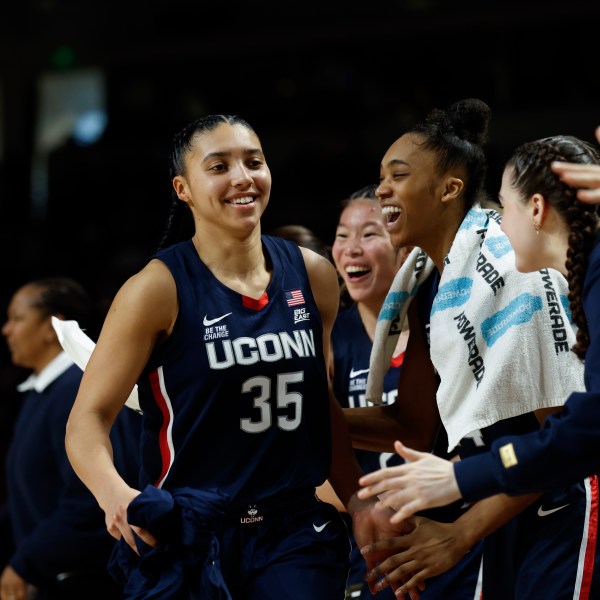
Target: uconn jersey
237 398
351 352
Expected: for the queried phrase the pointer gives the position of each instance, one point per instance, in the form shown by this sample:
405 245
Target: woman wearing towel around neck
500 344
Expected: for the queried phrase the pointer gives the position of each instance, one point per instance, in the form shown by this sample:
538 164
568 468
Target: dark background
327 87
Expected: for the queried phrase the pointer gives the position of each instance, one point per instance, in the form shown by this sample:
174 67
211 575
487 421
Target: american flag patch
294 297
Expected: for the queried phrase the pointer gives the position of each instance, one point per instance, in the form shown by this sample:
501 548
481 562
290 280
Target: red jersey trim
165 441
397 360
254 304
590 540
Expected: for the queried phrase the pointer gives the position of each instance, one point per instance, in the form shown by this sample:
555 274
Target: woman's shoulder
153 279
148 296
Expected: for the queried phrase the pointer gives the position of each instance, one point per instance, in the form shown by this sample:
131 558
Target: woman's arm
413 417
142 312
345 470
433 548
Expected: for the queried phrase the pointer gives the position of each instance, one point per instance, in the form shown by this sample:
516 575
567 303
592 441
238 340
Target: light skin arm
325 287
142 312
414 416
433 548
423 481
325 491
326 494
586 177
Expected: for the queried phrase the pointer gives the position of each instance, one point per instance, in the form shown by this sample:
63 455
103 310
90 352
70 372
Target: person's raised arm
413 417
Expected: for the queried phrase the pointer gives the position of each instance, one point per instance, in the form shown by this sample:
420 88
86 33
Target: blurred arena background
91 93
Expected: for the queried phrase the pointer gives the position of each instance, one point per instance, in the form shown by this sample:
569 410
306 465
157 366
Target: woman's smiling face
362 251
409 192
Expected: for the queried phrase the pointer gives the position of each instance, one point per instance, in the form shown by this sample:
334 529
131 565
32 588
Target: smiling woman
490 384
367 263
227 334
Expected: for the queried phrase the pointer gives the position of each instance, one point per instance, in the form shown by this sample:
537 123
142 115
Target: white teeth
354 269
245 200
388 210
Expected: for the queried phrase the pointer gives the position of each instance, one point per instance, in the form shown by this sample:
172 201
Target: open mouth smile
391 213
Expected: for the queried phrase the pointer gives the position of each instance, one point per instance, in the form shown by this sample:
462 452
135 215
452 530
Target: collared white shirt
54 369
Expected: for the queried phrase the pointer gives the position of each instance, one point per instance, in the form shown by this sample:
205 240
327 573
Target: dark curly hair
531 174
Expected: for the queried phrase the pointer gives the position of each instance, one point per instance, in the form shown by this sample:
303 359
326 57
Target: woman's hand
12 585
371 524
585 177
429 549
423 481
118 526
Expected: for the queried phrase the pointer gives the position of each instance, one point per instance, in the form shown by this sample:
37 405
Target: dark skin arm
413 417
433 547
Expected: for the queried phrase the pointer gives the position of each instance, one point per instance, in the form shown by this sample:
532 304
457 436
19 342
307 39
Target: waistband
272 506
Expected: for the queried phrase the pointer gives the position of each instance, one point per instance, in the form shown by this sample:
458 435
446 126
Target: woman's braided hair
531 174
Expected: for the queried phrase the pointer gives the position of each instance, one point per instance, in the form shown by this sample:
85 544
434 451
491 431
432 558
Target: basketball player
227 335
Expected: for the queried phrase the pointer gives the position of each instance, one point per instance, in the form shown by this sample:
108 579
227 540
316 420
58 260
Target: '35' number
261 386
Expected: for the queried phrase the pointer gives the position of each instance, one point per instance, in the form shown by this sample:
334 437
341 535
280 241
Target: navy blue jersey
237 398
351 352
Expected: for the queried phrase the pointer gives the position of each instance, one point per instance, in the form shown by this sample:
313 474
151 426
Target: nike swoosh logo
319 528
206 322
545 513
354 373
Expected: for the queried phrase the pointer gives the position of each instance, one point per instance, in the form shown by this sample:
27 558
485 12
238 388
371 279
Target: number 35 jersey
237 397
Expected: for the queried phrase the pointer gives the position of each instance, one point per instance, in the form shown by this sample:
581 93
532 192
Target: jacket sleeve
565 451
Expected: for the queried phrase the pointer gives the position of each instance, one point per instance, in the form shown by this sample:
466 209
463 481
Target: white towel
79 347
414 271
500 339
